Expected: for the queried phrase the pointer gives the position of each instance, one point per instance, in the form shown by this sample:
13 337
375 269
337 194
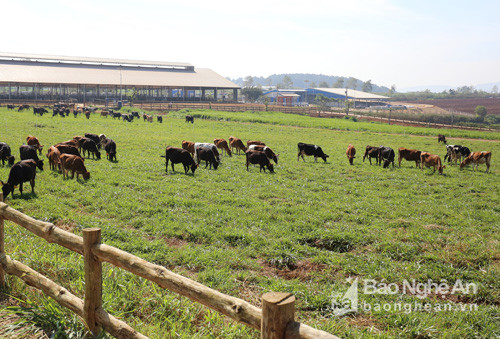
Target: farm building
45 77
340 95
287 97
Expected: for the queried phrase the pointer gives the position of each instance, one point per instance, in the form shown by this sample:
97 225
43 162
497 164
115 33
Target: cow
387 154
33 141
441 138
96 138
149 118
87 115
159 118
188 146
207 154
350 152
135 114
258 158
11 107
409 155
90 146
477 158
179 155
20 172
72 142
5 154
310 150
102 140
222 144
110 148
68 149
104 113
190 118
371 152
431 160
255 142
116 115
53 154
456 152
29 152
200 145
20 108
237 144
267 150
75 164
39 110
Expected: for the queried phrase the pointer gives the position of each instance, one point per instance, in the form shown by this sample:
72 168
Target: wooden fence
274 320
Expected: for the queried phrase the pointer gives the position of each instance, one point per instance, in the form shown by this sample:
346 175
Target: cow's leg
32 183
315 159
173 169
72 174
20 189
487 167
247 164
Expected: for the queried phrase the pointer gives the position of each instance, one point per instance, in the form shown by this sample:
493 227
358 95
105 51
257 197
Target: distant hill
303 80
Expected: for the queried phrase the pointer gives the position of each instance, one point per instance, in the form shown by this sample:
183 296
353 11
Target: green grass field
304 230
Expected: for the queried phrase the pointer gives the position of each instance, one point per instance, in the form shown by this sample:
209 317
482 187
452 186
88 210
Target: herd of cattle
67 156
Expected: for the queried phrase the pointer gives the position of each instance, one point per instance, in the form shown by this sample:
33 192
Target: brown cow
255 142
222 144
431 160
409 155
73 163
477 158
350 152
371 152
33 141
188 146
268 151
260 158
54 155
238 144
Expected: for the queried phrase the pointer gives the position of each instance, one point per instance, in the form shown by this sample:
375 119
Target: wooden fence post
2 246
278 309
93 279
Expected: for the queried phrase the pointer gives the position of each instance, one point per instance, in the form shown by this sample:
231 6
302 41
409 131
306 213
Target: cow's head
270 167
440 169
11 160
86 175
465 162
6 189
193 167
39 164
324 156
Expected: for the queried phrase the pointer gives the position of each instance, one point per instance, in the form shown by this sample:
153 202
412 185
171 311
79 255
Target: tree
367 86
323 84
494 89
322 102
481 112
252 93
339 83
392 90
352 83
287 82
249 82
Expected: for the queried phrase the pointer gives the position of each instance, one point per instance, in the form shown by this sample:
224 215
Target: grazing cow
102 140
387 154
188 146
20 108
205 145
431 160
39 110
29 152
75 164
179 155
135 114
96 138
53 154
110 148
11 107
267 150
409 155
456 152
222 144
371 152
87 115
190 118
207 154
33 141
73 142
350 152
441 138
20 172
90 146
259 158
238 144
5 154
477 158
116 115
159 118
104 113
310 150
255 142
68 149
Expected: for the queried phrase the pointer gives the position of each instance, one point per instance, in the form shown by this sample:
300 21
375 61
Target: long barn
45 77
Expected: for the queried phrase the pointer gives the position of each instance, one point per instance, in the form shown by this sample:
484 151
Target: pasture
304 230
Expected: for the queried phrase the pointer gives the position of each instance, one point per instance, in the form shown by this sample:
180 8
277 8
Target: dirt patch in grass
303 271
65 225
364 321
175 242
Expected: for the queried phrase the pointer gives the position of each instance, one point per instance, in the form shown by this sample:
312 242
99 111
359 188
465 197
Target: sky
402 43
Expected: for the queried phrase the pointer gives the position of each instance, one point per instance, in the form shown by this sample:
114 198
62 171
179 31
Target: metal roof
32 69
340 93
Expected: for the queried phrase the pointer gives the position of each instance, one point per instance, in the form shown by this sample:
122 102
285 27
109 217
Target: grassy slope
240 232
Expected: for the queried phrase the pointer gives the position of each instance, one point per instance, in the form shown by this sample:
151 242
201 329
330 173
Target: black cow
190 118
116 115
259 158
95 138
5 154
110 148
441 138
159 118
371 152
30 152
39 110
310 149
22 171
68 149
208 156
90 146
179 155
387 154
11 107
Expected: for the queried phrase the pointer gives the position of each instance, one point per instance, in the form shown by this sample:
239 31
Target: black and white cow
456 152
310 150
206 145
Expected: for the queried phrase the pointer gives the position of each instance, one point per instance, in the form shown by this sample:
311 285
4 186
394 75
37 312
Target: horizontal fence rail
275 320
